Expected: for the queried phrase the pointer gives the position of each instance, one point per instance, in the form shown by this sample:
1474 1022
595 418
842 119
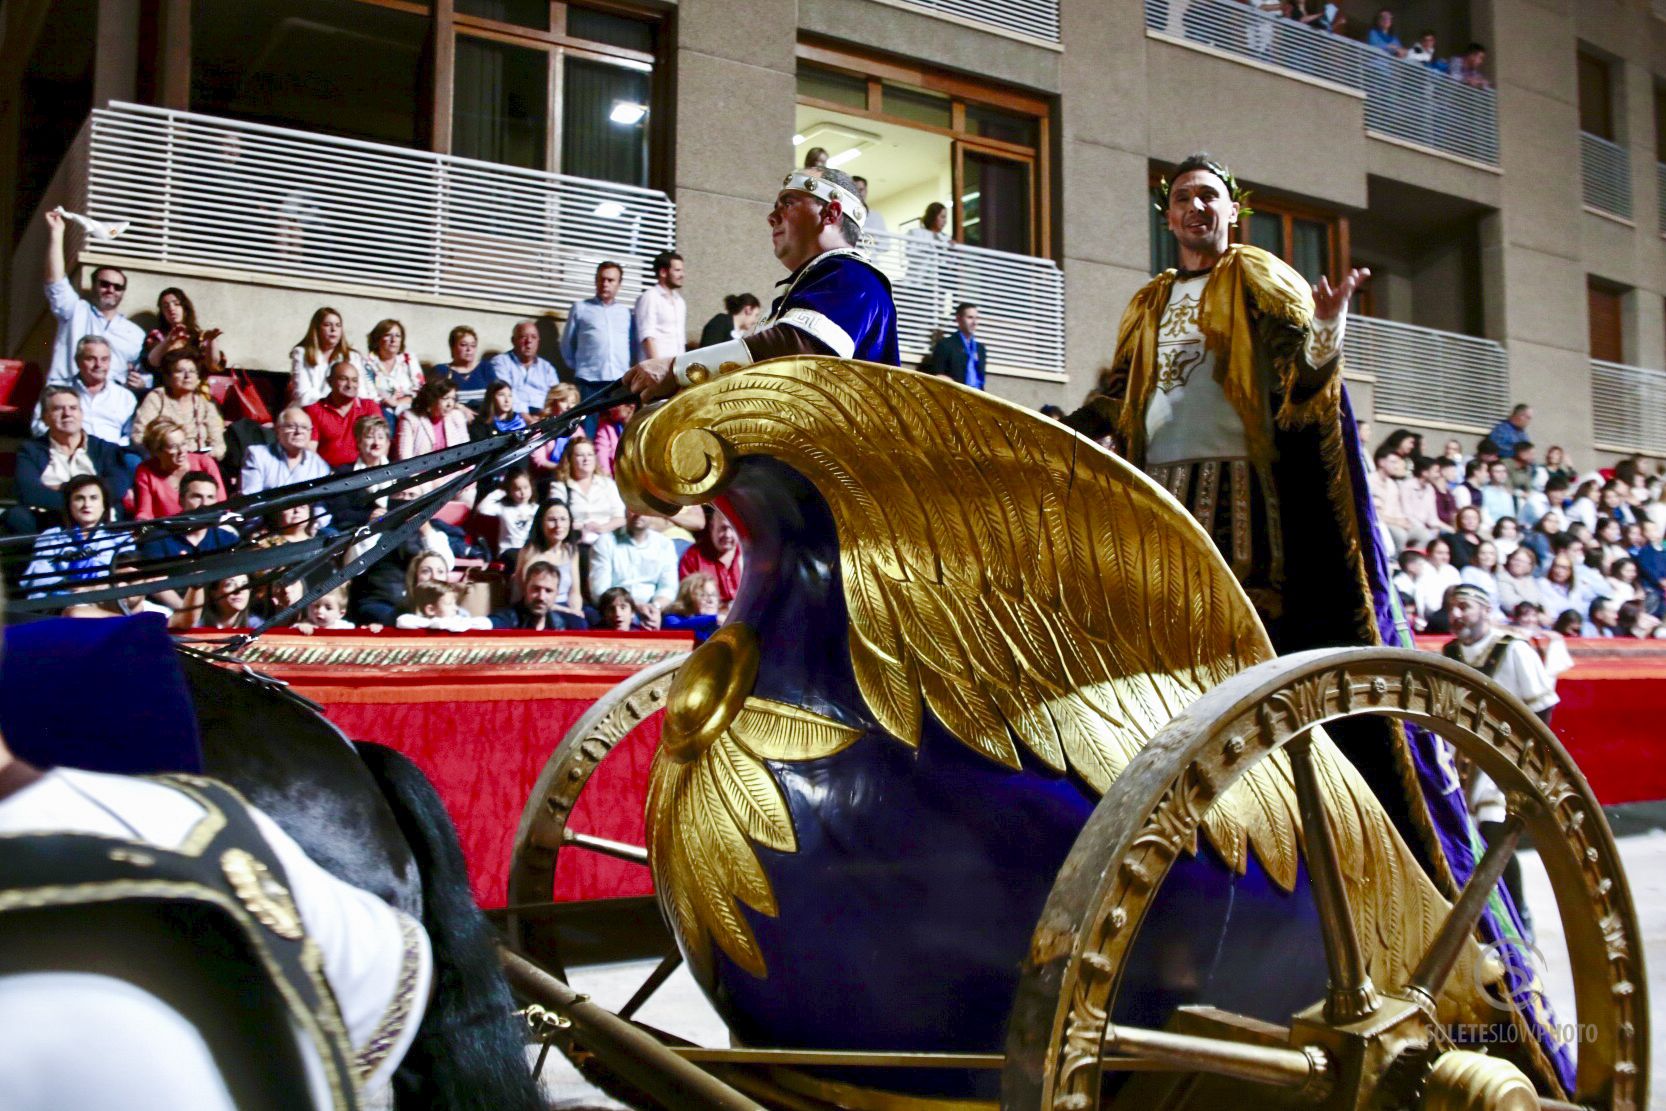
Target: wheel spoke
1139 1048
1443 950
1350 995
660 974
619 850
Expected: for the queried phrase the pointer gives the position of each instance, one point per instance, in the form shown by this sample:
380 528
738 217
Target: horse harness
212 917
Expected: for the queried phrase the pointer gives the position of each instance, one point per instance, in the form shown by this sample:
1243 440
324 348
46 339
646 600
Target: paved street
680 1008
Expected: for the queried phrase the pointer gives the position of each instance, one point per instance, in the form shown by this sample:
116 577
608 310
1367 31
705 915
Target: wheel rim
1058 1034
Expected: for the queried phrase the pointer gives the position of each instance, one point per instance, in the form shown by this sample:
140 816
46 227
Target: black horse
368 815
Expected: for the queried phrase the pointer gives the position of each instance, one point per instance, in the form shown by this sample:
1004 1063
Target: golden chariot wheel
547 836
1358 1047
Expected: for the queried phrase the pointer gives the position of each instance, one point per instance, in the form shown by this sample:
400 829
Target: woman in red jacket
156 483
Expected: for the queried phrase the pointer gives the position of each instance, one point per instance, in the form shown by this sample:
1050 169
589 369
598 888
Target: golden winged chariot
992 769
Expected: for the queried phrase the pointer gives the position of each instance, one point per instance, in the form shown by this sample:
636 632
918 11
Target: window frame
445 24
876 70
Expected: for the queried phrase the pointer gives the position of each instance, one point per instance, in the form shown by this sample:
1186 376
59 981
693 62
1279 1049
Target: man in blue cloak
835 302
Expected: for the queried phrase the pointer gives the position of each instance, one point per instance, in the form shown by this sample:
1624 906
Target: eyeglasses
294 427
103 284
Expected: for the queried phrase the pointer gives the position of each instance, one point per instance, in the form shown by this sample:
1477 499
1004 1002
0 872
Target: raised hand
1328 301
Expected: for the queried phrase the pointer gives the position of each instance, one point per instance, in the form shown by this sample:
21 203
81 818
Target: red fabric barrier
485 757
480 715
1609 719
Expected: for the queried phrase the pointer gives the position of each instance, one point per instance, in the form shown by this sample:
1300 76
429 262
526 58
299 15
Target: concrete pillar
1103 181
1531 249
116 57
736 80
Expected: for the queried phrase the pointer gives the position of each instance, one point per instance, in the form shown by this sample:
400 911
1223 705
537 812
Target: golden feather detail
706 815
1030 589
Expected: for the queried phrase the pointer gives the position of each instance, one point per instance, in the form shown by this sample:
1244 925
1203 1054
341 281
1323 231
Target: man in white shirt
528 373
875 224
292 461
639 559
661 312
106 409
101 317
1513 664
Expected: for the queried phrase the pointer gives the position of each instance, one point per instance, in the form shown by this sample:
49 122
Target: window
921 137
532 83
601 134
1596 97
1606 314
300 63
500 99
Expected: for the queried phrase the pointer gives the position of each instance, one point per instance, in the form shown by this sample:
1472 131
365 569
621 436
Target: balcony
1403 100
1628 408
1428 377
1605 169
1020 302
205 191
1029 19
1660 196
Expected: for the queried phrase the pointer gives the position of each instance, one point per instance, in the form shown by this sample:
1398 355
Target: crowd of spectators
1262 28
1560 551
128 428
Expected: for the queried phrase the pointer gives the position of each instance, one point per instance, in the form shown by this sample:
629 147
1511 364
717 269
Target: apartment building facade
451 161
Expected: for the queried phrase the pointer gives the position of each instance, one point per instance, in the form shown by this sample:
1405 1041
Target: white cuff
1324 339
814 324
705 363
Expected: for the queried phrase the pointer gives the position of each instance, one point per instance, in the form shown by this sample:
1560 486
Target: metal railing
1628 407
1605 169
217 192
68 188
1660 196
1020 301
1424 374
1036 19
1403 100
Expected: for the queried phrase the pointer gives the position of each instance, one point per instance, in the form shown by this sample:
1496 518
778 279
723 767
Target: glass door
995 206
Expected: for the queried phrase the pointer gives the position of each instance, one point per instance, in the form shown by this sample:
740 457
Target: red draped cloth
1613 702
481 714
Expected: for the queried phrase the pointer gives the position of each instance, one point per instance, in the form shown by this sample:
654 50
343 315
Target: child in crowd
434 605
562 397
328 612
512 504
615 610
609 432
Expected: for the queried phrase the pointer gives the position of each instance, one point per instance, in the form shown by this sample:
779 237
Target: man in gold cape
1226 388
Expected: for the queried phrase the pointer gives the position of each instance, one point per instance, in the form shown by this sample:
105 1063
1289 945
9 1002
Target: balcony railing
1429 376
1020 302
1605 168
1403 100
1035 19
1628 407
222 193
1660 196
